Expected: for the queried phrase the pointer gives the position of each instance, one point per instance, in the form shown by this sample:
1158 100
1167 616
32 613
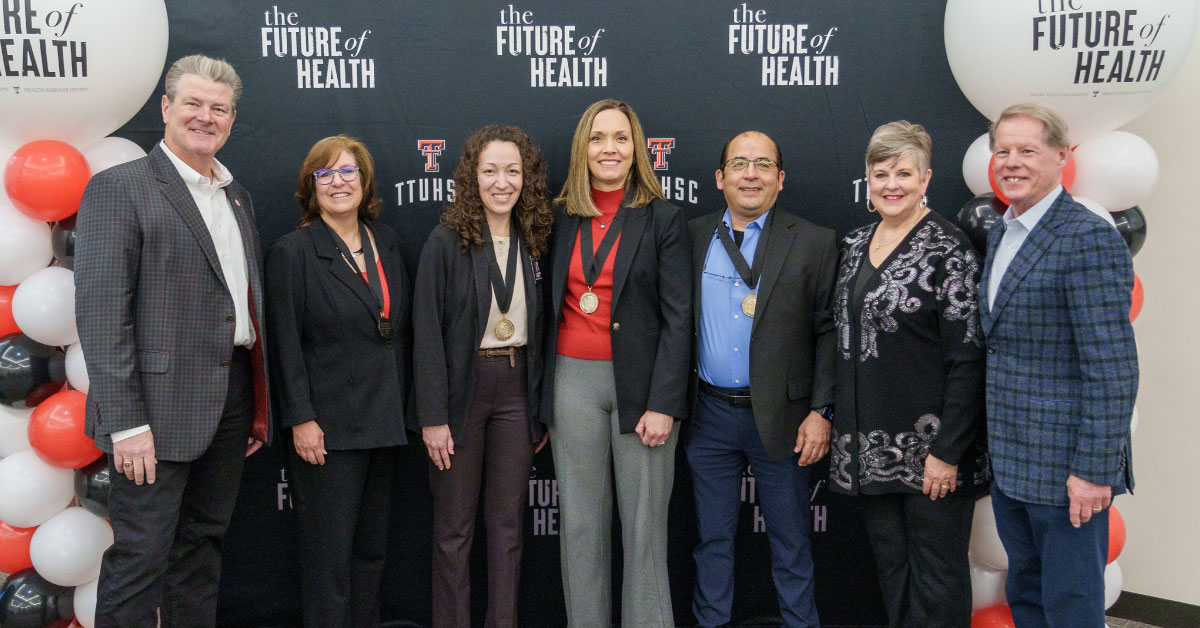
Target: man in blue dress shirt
763 376
1061 376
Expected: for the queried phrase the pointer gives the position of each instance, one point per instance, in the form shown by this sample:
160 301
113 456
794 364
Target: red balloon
1138 296
998 616
45 179
1116 534
8 325
14 548
1068 176
56 431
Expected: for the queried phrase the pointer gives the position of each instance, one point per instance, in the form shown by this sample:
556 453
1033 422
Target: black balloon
29 372
62 239
91 487
1131 224
28 600
977 217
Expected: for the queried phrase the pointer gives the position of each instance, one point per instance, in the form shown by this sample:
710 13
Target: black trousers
343 508
166 553
920 549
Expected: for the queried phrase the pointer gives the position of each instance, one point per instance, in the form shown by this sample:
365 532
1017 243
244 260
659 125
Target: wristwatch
825 411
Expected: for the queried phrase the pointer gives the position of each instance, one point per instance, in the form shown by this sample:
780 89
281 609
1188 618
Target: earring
924 201
869 208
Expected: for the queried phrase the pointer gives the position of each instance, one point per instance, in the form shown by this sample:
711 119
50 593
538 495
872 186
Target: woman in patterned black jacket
909 423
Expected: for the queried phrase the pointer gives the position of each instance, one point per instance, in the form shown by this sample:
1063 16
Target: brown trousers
494 444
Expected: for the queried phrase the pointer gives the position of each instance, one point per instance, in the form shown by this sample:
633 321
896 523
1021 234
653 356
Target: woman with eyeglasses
616 373
477 312
338 307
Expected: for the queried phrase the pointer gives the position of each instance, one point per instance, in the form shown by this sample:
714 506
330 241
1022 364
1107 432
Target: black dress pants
166 553
920 549
343 508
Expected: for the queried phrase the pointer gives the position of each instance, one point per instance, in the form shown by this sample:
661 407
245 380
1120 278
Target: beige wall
1162 553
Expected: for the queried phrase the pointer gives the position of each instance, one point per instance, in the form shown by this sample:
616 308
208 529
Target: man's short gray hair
217 70
1054 128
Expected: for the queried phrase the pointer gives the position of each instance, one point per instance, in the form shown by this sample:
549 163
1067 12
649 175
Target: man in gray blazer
762 378
169 303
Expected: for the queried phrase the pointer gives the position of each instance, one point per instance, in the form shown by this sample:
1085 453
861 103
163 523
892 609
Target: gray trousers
589 450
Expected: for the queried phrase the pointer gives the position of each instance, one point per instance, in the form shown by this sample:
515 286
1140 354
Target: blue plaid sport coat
1062 370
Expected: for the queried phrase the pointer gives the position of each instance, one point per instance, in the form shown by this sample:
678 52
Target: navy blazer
328 361
651 321
1062 371
156 320
451 302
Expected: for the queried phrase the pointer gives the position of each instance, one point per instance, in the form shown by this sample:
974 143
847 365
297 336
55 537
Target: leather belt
496 352
736 397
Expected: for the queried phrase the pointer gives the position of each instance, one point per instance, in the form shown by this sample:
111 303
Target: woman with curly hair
477 319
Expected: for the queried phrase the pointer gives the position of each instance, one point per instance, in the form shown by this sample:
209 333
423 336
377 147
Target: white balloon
1096 208
987 587
67 549
14 430
1003 52
975 166
32 491
1114 581
85 603
985 548
111 151
123 46
1117 169
1133 422
76 369
44 306
24 245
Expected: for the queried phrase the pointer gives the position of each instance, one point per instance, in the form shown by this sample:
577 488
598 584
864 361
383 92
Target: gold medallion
504 328
748 304
588 302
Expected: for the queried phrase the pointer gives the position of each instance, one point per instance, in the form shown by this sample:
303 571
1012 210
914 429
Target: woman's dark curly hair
532 213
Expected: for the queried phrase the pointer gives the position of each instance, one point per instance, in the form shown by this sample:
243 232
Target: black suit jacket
328 361
451 302
650 326
155 317
792 340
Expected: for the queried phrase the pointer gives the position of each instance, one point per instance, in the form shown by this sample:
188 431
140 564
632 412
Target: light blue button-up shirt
724 330
1017 228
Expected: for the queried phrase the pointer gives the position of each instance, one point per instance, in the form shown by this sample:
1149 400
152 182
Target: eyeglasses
762 164
324 176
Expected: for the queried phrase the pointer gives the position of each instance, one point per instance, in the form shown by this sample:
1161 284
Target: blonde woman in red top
616 368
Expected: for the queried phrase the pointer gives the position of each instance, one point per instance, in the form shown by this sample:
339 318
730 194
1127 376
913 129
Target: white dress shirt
1017 228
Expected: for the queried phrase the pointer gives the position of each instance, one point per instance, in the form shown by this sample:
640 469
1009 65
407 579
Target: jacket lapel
985 309
631 235
779 239
483 288
701 242
566 226
326 249
1035 245
177 194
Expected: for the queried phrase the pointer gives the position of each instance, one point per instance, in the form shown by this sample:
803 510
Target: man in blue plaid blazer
1061 376
169 306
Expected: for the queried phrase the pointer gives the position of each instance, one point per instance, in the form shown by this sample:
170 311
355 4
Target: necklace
604 225
358 253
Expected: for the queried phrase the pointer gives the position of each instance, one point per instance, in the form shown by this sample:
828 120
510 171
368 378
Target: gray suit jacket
155 318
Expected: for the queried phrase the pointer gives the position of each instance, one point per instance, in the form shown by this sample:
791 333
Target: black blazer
651 318
327 360
451 301
792 340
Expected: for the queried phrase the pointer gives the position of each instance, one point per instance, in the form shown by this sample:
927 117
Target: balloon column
1098 78
52 139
